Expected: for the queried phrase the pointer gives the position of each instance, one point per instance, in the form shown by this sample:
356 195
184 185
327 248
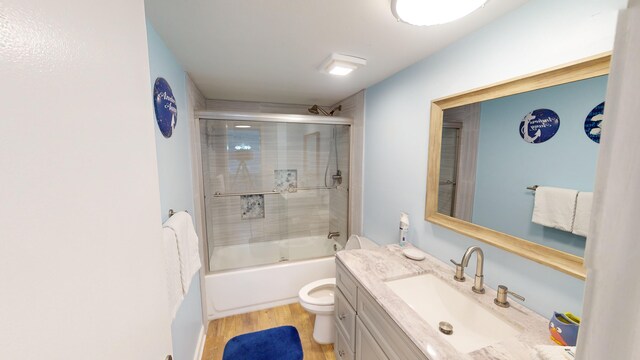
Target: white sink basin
474 326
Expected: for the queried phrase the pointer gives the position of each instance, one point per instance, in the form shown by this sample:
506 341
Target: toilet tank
360 242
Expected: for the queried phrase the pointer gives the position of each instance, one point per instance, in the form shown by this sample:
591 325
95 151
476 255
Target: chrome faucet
478 283
333 234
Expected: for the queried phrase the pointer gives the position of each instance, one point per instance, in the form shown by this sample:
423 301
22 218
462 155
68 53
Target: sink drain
445 328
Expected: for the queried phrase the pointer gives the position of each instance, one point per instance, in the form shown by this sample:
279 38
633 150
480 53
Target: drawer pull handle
342 316
341 353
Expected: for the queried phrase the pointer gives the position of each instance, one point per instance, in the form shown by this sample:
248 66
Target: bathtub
268 273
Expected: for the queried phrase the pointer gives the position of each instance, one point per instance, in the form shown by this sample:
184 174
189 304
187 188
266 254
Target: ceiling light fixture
433 12
341 65
243 126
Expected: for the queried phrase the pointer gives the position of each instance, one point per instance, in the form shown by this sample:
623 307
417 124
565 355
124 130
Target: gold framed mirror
583 70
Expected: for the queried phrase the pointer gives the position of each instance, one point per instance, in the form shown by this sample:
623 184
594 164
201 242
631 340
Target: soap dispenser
404 228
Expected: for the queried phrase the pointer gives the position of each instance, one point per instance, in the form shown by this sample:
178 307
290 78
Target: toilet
317 297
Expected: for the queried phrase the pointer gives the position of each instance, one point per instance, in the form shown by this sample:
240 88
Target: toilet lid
306 293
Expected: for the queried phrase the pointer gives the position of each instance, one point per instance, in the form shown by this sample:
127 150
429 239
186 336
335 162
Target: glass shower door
273 191
449 168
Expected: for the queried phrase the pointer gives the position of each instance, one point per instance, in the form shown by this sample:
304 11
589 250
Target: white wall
539 35
81 263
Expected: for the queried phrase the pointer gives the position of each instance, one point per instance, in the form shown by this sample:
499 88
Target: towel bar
274 192
172 212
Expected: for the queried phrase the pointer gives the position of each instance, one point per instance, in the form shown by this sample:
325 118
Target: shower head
317 110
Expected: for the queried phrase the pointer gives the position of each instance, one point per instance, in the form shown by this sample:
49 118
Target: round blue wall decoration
165 107
539 126
593 123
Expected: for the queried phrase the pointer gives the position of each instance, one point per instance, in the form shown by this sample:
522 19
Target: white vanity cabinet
345 317
366 346
364 330
345 314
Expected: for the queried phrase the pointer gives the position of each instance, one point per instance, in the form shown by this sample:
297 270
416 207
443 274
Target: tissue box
564 328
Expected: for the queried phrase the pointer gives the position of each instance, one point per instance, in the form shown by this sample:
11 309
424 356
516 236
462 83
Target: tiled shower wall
274 146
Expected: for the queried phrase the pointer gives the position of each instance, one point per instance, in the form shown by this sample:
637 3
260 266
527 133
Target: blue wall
507 164
176 187
397 129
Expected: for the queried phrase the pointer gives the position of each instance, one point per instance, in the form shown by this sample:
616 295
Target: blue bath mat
280 343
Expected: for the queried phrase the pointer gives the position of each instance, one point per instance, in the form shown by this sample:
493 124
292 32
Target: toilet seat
323 289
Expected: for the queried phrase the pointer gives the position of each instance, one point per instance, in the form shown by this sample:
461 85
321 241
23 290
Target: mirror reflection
493 151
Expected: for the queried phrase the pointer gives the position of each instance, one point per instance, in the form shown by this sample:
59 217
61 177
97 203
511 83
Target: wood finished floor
221 330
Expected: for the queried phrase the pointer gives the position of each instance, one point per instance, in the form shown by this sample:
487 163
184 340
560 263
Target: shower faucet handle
333 234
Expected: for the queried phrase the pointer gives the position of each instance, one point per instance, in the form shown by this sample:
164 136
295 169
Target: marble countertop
372 267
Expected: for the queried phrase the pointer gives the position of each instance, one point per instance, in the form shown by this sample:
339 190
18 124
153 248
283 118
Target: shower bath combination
255 233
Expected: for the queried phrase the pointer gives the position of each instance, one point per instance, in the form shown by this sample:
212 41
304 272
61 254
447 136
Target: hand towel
188 252
555 352
554 207
172 264
583 214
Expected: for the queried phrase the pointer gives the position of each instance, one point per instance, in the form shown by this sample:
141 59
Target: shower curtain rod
274 192
268 117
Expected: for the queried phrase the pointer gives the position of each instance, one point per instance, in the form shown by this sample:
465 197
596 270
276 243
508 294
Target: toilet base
324 330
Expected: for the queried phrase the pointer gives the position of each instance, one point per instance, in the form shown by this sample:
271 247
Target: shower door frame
199 194
457 125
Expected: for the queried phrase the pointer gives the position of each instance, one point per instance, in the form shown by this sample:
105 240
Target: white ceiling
270 50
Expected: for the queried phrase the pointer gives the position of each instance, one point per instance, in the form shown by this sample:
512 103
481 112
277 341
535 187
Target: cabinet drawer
393 341
367 348
341 349
345 318
346 283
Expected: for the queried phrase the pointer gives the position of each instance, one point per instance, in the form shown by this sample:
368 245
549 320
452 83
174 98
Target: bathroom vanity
386 305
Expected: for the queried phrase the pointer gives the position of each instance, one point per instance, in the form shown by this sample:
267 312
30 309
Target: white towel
554 207
188 251
583 214
172 264
555 352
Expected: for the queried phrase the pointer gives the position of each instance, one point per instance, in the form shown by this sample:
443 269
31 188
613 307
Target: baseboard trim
201 340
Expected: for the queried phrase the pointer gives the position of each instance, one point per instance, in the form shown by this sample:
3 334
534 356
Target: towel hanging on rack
583 214
187 242
554 207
